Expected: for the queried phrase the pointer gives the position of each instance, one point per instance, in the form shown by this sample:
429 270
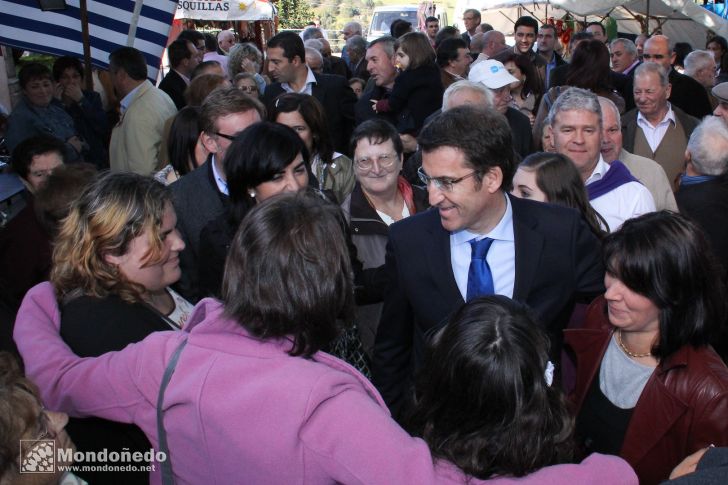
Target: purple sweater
241 409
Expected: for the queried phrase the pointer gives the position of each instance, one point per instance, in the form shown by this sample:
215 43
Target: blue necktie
480 279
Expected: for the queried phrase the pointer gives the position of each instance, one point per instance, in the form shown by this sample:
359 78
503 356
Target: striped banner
143 24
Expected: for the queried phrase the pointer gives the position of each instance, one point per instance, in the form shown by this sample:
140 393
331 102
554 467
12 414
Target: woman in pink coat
251 399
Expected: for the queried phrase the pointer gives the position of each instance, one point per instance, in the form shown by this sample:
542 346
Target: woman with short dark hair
38 112
84 107
264 160
304 114
649 387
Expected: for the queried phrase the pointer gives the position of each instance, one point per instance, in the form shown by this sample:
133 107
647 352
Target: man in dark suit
202 195
356 46
471 20
545 44
183 59
538 254
686 93
287 66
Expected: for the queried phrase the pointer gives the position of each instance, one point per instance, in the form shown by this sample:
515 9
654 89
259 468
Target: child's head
413 50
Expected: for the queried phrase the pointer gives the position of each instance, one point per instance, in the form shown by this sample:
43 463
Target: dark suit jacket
557 258
707 204
363 108
520 131
619 82
689 95
174 86
337 66
197 201
338 101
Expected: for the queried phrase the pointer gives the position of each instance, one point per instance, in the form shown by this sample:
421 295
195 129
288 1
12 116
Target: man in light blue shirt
539 254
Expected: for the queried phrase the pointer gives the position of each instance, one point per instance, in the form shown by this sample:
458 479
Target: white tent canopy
681 20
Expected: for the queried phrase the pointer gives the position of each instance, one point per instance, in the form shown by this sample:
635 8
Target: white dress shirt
307 88
625 202
501 257
654 134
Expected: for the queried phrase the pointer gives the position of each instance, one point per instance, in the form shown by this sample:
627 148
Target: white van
382 18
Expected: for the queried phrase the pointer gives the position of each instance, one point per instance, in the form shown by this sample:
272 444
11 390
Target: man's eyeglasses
385 161
443 183
227 137
248 89
653 56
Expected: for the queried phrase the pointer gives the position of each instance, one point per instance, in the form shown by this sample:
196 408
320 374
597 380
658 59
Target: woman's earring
252 194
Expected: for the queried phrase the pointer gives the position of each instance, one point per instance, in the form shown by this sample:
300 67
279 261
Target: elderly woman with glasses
381 196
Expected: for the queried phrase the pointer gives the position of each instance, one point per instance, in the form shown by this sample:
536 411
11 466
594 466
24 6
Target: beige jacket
652 176
135 140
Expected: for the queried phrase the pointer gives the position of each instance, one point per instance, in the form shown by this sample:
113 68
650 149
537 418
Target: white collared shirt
501 257
632 66
654 134
307 88
126 100
222 185
184 78
625 202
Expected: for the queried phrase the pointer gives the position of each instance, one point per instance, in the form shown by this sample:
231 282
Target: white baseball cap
491 73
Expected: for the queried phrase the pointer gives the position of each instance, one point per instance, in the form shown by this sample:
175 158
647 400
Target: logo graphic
39 456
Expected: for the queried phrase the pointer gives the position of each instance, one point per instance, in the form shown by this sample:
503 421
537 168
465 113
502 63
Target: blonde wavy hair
110 213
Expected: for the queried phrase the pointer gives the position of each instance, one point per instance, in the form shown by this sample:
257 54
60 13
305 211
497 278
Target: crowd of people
437 258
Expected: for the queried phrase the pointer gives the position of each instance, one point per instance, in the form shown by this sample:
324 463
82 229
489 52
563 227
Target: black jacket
689 95
91 327
175 87
557 258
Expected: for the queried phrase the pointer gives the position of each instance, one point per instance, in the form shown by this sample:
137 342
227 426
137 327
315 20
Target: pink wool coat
241 410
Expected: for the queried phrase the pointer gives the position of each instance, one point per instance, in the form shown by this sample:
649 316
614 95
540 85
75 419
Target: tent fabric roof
686 21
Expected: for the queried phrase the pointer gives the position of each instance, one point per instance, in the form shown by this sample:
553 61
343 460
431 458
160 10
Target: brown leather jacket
683 407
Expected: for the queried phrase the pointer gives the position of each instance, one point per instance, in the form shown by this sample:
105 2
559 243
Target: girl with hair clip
417 91
484 402
552 177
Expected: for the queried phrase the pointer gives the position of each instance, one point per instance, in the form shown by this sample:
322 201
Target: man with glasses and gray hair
478 241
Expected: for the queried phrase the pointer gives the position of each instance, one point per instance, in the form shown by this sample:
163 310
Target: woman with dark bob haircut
482 401
649 387
251 388
264 160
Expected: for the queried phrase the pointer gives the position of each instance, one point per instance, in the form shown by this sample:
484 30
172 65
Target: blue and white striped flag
143 24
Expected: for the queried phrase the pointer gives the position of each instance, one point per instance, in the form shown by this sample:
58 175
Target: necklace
626 350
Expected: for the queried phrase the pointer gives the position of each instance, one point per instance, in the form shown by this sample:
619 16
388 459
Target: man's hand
688 465
409 143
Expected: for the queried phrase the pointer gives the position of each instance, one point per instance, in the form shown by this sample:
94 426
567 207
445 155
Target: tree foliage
294 14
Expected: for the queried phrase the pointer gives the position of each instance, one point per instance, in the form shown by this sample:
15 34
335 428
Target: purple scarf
616 176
